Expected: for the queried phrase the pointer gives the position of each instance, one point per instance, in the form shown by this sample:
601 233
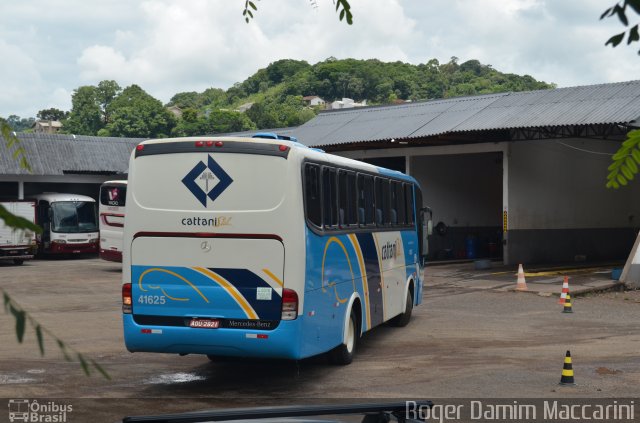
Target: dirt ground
464 341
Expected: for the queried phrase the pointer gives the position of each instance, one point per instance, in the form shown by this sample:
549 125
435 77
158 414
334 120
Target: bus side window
366 207
329 200
353 199
400 203
410 207
312 194
347 214
383 202
393 203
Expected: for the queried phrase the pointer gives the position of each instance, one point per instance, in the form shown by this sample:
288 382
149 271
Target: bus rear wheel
402 320
343 353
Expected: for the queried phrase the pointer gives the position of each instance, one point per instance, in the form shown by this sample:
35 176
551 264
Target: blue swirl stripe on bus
203 292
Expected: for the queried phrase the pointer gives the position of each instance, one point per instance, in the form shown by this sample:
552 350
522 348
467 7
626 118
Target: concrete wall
559 208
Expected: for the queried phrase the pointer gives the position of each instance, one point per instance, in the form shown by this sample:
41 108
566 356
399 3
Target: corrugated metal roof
584 105
56 154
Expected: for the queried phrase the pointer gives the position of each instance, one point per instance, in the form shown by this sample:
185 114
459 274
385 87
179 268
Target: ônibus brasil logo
207 180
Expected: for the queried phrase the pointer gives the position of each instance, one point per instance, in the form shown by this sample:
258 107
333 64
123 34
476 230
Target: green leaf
621 14
626 172
614 165
63 349
630 142
40 339
635 5
17 222
621 153
20 317
342 12
252 5
100 369
635 153
633 35
622 180
615 40
83 363
7 301
630 163
606 12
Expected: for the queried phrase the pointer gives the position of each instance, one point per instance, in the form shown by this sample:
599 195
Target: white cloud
168 46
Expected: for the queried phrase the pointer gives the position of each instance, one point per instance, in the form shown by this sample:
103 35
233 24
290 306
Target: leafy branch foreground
626 161
70 354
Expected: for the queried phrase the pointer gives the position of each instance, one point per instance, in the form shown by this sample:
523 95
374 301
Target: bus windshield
74 217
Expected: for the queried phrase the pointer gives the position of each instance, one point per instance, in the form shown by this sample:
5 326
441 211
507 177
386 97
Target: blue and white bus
257 247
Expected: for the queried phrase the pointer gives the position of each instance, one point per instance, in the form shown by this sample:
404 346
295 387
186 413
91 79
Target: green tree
134 113
106 92
221 121
18 124
52 114
85 117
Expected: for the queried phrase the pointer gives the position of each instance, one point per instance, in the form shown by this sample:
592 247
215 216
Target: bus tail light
126 298
289 304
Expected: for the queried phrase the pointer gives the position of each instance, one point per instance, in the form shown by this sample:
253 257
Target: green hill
277 90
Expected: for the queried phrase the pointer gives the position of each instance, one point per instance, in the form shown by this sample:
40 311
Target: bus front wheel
343 353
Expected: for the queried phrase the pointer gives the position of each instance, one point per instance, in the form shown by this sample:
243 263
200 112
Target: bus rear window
113 195
207 181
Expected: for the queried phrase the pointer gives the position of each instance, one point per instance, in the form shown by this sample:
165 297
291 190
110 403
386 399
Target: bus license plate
205 323
13 252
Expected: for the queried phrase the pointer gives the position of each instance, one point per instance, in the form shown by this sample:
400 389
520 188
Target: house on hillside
47 126
313 100
244 107
346 103
177 111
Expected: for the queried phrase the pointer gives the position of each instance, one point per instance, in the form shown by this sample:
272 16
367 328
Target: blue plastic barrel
471 247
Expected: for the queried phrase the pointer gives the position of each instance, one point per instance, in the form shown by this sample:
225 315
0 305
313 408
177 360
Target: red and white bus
69 223
112 201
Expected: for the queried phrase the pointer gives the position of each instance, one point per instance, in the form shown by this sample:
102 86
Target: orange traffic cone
522 283
565 291
567 371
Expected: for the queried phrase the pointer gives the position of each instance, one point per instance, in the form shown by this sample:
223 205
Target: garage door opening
465 193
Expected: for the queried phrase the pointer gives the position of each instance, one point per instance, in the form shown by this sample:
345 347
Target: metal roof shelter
59 154
591 111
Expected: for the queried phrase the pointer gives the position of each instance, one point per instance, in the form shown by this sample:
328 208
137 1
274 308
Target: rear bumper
57 248
111 255
16 253
282 342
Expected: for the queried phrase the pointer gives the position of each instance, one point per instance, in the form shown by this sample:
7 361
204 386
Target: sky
49 48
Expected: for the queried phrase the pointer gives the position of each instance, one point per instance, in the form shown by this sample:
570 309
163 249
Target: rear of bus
209 226
112 206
